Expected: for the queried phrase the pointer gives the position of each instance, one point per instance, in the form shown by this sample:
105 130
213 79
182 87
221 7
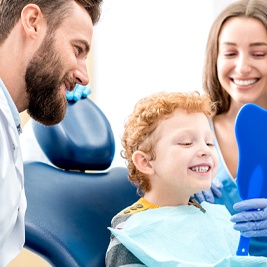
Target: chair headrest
82 141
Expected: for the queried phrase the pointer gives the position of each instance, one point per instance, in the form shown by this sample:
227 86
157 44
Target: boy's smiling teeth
200 168
244 82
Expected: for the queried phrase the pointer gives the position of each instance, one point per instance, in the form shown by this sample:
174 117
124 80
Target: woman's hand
208 195
251 219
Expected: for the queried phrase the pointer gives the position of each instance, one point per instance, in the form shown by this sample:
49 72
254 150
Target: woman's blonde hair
256 9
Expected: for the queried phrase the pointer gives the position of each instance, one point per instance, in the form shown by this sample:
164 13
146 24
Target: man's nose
80 74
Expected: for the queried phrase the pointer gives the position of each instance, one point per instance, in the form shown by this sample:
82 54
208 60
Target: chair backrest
69 210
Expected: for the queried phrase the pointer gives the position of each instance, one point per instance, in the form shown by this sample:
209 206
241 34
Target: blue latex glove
78 92
251 219
208 195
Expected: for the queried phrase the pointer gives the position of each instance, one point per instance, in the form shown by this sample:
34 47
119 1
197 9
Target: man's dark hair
54 11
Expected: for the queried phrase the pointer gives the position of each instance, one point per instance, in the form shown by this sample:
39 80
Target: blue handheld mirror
251 136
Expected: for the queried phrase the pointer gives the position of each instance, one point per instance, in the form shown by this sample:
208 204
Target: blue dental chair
71 202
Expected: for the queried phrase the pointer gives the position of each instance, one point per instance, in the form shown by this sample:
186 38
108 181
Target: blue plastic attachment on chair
251 133
69 211
82 141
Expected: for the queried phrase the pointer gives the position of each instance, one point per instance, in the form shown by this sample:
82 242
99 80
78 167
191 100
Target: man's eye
78 49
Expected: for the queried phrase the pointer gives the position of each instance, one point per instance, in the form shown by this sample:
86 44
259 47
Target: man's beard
43 78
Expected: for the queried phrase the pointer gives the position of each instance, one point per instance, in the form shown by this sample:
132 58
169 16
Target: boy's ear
32 19
142 162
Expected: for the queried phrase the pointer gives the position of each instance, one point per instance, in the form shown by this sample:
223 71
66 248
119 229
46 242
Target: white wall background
144 46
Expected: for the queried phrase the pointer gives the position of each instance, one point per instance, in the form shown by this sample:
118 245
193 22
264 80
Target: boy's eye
210 144
185 144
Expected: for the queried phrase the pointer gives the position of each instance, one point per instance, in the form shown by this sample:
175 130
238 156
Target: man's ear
142 162
32 18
